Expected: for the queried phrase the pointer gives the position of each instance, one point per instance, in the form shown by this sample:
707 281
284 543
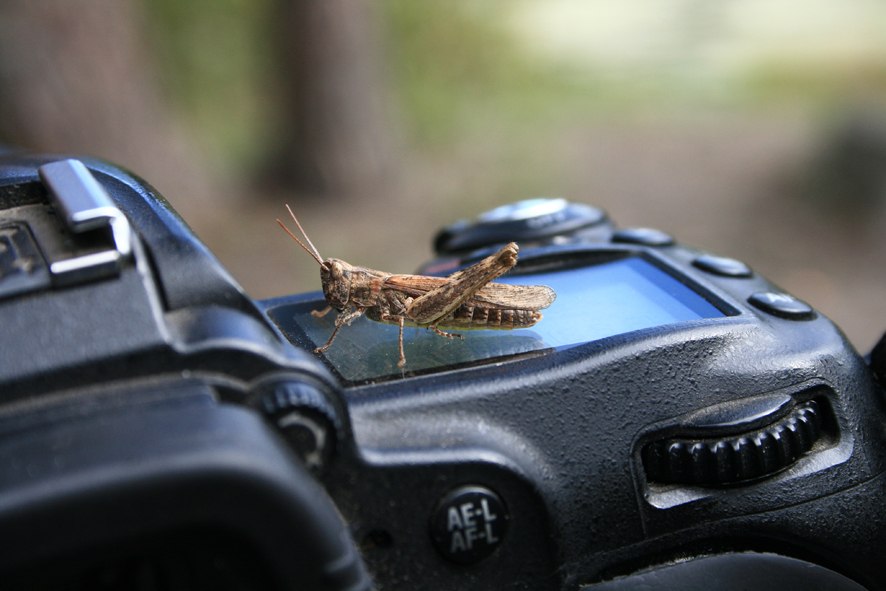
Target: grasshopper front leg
321 313
434 306
343 318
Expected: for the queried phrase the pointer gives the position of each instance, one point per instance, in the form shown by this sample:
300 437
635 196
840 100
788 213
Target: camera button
643 237
724 266
782 305
469 524
22 268
304 417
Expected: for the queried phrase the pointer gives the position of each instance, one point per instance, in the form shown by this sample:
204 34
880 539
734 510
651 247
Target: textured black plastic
131 416
111 479
734 572
130 449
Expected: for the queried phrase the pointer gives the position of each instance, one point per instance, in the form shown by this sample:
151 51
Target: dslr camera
675 421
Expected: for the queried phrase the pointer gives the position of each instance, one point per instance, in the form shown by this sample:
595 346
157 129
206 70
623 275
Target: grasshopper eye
336 288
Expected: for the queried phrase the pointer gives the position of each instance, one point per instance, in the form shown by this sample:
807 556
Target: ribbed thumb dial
753 439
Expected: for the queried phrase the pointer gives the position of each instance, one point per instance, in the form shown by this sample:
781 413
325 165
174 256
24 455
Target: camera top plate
615 405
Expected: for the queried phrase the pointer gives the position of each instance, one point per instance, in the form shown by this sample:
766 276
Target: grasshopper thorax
335 276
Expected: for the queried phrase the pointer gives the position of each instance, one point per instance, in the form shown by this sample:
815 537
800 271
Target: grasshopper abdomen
466 316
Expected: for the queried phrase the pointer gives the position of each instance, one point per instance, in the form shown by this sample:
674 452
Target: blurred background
754 129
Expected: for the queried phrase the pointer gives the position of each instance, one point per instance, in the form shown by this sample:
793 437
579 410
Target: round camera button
643 237
782 305
522 210
469 524
724 266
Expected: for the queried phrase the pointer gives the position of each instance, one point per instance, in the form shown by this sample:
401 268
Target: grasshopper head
335 275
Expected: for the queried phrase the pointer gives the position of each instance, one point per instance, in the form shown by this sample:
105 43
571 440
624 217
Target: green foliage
216 60
457 69
459 74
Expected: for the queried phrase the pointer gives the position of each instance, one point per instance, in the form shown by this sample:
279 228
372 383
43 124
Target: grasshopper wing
516 297
441 301
499 295
414 285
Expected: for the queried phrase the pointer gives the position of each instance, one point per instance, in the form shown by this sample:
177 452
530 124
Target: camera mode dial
529 220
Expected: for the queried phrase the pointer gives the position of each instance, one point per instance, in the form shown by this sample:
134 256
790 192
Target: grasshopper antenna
311 251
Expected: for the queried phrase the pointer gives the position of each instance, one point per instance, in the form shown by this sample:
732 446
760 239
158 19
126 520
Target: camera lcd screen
593 302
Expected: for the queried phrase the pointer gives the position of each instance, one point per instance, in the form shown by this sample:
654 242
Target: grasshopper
465 300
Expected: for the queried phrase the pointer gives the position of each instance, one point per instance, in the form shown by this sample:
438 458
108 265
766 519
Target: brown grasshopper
464 300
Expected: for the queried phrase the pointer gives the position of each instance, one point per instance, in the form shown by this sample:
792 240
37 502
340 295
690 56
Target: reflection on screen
613 298
593 303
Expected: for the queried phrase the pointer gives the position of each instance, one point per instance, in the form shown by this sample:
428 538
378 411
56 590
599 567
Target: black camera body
674 421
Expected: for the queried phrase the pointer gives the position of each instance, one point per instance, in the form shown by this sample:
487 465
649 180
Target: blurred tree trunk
336 139
76 76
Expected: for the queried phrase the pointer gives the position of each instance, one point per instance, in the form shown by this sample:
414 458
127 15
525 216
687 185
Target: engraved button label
469 524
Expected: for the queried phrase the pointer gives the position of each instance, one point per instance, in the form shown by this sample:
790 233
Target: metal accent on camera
101 236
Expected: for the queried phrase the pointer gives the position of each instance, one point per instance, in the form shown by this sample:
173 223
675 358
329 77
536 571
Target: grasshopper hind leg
401 322
448 335
402 361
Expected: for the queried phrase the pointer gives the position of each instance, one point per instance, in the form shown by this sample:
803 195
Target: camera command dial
751 441
532 220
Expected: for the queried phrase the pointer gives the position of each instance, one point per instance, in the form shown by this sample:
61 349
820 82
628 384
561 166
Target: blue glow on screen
609 299
593 302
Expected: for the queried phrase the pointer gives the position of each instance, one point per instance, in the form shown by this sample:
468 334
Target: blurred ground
729 126
755 130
